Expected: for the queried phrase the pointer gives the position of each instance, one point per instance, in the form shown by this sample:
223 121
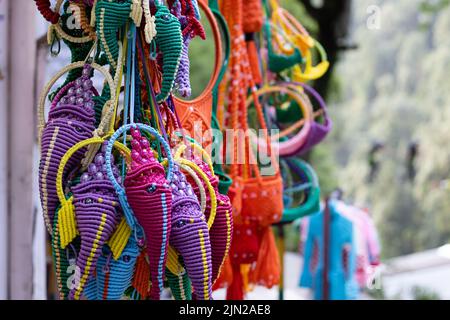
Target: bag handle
226 50
119 189
291 27
301 39
305 105
311 91
149 130
48 86
307 111
312 72
210 188
197 147
66 214
218 53
70 153
199 184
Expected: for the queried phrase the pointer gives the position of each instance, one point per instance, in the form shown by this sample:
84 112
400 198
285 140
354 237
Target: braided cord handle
211 190
197 147
306 108
48 86
147 129
199 184
70 153
218 60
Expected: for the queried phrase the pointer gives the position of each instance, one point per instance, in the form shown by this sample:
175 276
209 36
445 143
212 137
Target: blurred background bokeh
388 93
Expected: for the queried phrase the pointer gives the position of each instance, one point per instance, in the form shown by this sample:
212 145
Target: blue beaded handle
128 212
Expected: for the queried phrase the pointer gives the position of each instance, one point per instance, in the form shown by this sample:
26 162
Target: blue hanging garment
342 258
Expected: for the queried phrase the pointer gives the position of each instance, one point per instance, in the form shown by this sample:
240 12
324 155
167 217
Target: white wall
3 151
435 279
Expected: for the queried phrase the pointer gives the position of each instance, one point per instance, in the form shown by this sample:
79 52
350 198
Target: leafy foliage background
395 89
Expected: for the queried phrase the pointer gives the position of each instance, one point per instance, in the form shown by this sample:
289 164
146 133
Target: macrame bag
149 195
91 212
71 120
222 229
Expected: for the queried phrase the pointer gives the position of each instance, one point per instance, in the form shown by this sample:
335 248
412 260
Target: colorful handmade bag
71 120
222 229
148 191
92 212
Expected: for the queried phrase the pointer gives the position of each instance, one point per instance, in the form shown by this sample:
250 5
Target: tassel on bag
71 120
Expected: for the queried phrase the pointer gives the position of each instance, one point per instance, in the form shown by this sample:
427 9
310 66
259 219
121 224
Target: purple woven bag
71 120
190 236
97 215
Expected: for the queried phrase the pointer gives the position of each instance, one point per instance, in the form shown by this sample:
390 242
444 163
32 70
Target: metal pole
3 151
21 140
281 250
326 251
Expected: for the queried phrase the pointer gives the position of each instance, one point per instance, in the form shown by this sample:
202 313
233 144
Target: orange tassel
236 291
267 270
252 51
141 279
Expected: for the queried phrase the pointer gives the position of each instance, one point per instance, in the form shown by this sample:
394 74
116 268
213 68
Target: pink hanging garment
361 240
